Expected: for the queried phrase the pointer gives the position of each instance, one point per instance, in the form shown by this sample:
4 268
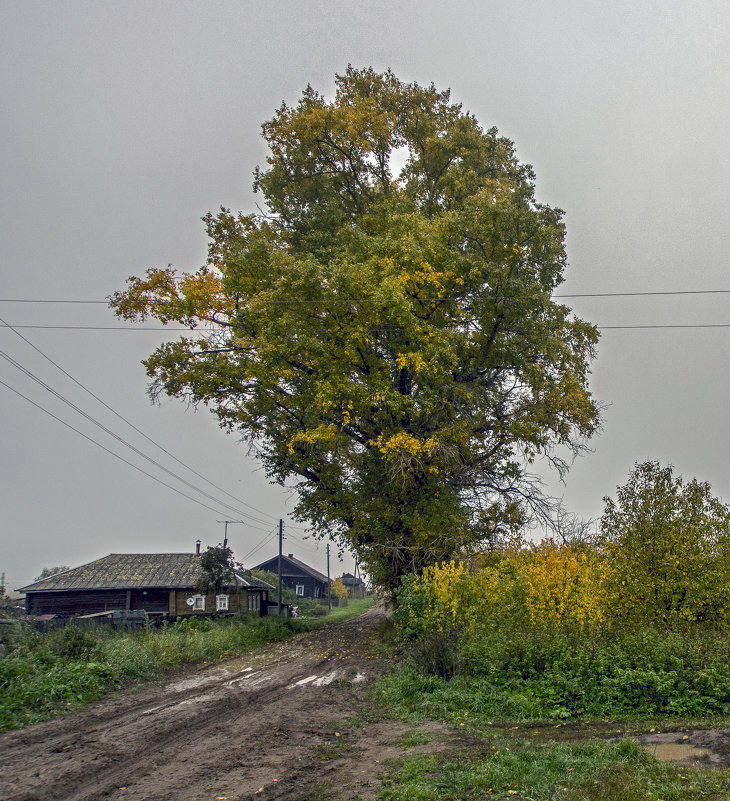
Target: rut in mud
267 726
290 722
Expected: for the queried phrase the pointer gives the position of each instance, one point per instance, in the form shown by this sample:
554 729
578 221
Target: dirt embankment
270 725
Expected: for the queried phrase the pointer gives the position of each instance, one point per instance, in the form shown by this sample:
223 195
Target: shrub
667 549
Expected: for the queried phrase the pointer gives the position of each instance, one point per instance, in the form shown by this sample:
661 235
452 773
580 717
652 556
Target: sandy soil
288 722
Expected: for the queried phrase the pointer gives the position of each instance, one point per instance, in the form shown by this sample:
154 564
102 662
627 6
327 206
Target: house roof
130 571
298 562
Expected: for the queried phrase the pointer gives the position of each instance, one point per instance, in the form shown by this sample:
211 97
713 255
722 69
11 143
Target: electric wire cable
122 441
130 424
258 546
191 330
375 300
109 451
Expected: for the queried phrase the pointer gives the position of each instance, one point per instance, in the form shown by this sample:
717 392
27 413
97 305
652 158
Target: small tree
264 575
51 571
339 590
218 569
668 548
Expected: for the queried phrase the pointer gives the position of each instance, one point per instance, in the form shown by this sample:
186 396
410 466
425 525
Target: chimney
197 547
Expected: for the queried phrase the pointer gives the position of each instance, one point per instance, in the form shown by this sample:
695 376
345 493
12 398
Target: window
316 591
221 603
300 590
254 602
199 603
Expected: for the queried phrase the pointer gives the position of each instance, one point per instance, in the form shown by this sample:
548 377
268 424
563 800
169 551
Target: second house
304 581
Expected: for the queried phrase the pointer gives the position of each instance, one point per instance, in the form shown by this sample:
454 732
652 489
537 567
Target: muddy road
286 722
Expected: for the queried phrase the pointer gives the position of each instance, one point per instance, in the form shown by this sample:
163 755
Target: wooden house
354 585
303 580
160 584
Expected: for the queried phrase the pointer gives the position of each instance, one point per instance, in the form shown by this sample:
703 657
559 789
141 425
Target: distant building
304 581
355 586
160 584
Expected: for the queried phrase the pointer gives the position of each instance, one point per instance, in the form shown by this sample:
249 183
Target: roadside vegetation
546 655
46 674
521 769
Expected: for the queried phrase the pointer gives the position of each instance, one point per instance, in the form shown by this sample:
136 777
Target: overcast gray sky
123 123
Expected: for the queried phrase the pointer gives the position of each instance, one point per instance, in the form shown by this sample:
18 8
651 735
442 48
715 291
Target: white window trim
254 602
198 603
221 603
300 590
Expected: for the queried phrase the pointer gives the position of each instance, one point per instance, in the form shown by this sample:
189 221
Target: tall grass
564 672
45 674
546 771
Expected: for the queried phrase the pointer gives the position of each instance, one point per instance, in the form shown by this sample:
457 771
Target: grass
522 769
565 673
546 714
48 674
355 607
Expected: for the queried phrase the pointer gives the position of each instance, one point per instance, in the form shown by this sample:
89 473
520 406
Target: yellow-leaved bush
546 583
561 583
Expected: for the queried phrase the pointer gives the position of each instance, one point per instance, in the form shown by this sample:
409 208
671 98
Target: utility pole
329 585
225 530
281 544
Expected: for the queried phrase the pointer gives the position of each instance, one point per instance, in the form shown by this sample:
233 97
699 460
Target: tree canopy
51 571
668 548
217 569
384 338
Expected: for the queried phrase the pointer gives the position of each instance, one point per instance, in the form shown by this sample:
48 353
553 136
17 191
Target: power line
50 300
375 300
258 546
112 453
189 330
120 439
628 327
101 328
645 294
124 419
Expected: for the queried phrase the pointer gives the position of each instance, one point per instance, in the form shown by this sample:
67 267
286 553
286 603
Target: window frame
254 602
221 603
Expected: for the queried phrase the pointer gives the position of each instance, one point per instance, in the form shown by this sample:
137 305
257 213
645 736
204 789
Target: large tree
385 338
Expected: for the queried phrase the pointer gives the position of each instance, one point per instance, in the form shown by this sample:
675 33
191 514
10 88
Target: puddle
325 681
677 752
194 682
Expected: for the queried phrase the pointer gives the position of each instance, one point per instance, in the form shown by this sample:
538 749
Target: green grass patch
564 673
414 738
355 607
590 771
47 674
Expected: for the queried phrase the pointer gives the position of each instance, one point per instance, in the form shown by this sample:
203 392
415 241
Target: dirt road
277 724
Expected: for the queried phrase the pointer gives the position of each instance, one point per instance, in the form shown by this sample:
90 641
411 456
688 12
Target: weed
335 749
564 673
413 738
590 771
